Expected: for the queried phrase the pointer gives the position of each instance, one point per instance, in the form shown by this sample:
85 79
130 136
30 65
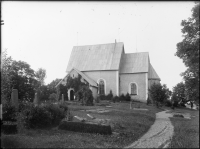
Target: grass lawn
186 131
128 126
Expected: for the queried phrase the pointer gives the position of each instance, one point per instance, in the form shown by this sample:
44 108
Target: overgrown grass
128 125
186 131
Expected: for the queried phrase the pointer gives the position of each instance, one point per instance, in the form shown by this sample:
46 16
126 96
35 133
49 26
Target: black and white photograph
99 74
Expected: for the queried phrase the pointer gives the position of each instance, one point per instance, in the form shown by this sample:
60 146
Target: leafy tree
159 93
23 79
188 51
110 95
41 75
17 75
6 81
179 93
128 97
85 95
52 86
122 97
52 97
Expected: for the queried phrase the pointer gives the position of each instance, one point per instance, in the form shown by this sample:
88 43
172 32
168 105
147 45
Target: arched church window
101 87
133 89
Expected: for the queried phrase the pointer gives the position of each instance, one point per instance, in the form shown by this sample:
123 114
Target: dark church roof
152 73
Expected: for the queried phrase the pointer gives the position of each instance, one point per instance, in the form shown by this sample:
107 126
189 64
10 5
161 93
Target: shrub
168 103
159 93
85 94
57 113
41 116
64 106
116 99
9 128
128 97
52 97
102 97
36 117
122 98
148 101
85 127
110 95
9 112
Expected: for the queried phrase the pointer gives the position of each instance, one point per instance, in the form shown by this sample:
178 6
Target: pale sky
44 33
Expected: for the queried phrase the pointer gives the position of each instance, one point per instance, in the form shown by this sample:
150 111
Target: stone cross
36 100
14 98
62 98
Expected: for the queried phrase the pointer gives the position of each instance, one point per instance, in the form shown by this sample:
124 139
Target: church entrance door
71 95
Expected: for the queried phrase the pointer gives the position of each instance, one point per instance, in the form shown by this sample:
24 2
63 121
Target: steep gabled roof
134 62
152 73
89 80
96 57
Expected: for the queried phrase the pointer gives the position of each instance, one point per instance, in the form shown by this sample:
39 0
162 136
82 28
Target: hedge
9 128
85 127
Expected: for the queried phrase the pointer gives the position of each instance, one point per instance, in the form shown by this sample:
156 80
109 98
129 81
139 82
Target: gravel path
159 135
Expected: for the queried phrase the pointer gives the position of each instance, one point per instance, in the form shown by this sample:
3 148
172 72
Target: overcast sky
44 33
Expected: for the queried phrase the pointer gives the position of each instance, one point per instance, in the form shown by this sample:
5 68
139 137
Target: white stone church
107 67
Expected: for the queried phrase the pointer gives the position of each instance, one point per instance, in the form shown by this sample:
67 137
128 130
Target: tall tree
41 75
179 93
188 51
5 77
159 93
23 78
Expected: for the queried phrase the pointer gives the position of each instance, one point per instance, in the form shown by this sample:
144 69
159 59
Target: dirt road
159 135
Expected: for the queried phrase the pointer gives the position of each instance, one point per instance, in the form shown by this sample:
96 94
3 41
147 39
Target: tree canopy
17 75
179 93
41 75
188 51
159 93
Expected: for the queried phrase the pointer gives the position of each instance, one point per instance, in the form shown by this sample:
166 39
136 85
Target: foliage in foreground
159 93
42 116
178 95
188 51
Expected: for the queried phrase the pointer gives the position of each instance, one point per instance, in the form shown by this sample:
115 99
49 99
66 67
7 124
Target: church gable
96 57
74 74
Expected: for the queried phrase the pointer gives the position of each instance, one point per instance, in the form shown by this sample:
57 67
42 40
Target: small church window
101 87
133 89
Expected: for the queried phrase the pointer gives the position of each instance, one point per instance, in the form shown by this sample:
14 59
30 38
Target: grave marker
62 98
36 100
14 98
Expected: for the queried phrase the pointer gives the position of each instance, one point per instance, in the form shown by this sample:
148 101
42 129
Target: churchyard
127 125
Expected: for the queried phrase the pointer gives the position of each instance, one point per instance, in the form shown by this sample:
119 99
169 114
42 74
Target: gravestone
131 104
36 100
1 112
14 98
62 98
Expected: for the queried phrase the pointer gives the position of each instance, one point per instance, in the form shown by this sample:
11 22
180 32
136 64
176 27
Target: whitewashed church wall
109 77
140 80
